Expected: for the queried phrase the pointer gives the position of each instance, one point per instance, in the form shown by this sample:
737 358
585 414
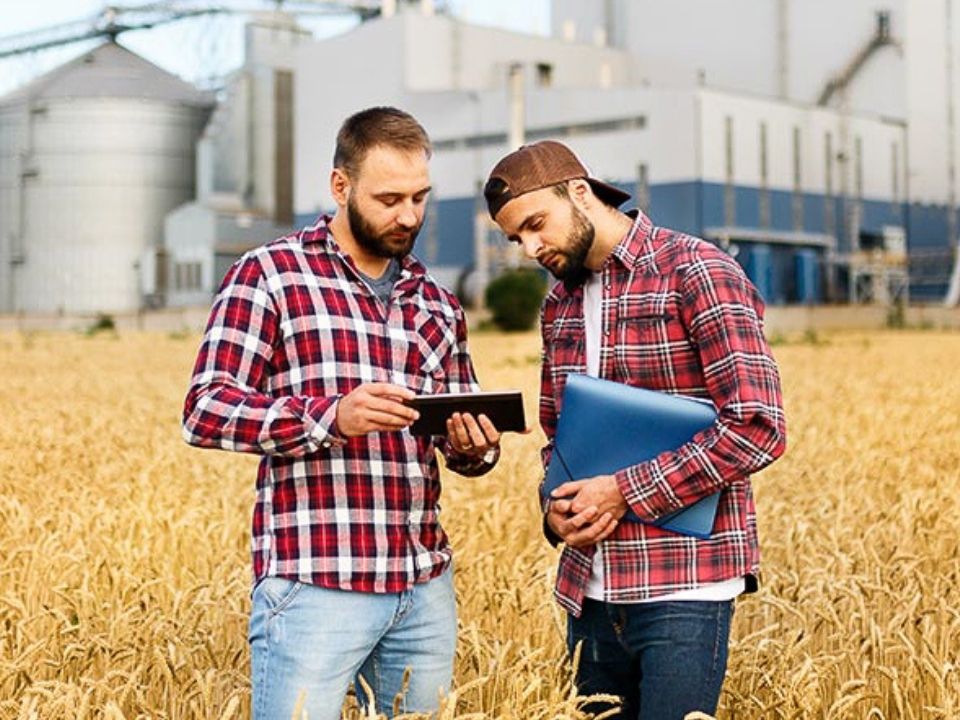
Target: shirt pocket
647 345
568 348
435 340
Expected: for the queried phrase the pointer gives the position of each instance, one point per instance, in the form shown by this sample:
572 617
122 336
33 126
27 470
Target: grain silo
92 156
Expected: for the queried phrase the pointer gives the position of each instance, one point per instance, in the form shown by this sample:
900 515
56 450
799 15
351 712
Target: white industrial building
799 190
814 140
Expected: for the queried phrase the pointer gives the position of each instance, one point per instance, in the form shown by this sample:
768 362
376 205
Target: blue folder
606 426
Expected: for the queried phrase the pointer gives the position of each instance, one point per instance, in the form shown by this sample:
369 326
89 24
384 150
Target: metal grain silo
92 157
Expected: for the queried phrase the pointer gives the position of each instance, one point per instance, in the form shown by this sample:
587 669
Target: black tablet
505 410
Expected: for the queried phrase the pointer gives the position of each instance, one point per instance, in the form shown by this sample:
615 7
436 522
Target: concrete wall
879 138
442 53
736 44
333 79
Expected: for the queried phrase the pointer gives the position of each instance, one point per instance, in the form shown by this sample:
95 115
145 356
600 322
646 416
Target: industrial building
813 141
92 157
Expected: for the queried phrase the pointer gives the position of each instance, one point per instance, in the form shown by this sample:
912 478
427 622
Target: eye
389 201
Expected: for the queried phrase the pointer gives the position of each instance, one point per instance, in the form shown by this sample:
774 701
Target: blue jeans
664 659
309 643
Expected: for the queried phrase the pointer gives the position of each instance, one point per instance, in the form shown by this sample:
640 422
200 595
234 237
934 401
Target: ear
339 186
581 194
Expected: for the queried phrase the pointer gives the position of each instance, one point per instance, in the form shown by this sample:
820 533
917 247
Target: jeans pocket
277 593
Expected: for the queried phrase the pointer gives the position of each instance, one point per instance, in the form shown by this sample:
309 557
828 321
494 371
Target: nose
408 216
531 246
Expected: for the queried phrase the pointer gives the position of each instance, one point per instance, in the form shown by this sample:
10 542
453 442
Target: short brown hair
377 126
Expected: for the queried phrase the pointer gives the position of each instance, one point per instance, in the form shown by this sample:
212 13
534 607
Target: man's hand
374 407
601 492
584 512
582 529
471 436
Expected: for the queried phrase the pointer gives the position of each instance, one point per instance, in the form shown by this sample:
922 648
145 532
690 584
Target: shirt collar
631 250
636 244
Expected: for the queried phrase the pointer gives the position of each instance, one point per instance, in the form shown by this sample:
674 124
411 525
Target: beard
568 264
395 243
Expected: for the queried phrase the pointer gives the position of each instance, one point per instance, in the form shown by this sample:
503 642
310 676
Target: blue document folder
606 426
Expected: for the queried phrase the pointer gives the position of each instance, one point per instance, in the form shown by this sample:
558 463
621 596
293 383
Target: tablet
505 410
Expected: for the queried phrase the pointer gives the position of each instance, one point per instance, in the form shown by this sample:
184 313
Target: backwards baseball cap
539 165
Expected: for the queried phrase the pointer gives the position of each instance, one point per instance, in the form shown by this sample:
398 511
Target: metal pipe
953 291
481 250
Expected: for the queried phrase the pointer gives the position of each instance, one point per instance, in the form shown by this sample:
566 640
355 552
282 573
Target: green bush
102 324
514 299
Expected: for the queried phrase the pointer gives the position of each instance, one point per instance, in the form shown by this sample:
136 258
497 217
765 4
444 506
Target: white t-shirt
593 320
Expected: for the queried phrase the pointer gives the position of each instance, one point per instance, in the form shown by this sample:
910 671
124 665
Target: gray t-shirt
383 285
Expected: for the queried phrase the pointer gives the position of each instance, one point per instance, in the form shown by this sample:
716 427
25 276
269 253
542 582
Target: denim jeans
664 659
311 642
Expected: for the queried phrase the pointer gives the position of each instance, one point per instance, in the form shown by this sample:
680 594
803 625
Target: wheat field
124 568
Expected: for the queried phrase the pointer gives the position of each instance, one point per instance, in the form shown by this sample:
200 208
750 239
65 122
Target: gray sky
215 42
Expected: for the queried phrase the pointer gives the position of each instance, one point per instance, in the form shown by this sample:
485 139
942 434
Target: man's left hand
473 436
601 492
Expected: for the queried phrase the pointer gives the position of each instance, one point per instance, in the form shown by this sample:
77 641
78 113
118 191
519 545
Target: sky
211 42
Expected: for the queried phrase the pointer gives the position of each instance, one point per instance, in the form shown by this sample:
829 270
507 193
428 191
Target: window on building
643 187
829 220
797 179
544 74
729 197
895 175
828 163
196 279
764 176
858 166
797 160
188 276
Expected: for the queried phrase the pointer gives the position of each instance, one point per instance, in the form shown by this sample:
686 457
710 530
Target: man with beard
314 343
653 308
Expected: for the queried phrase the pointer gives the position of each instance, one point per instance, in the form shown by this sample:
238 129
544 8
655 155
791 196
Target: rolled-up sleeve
724 317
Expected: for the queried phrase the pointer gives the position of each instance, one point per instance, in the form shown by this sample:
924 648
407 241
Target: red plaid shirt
293 329
678 316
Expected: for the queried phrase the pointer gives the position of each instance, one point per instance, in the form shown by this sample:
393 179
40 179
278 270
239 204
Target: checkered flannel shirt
678 316
293 329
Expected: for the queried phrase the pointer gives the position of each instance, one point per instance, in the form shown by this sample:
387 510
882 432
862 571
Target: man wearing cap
652 308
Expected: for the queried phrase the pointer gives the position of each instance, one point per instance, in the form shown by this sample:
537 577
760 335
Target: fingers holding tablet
471 435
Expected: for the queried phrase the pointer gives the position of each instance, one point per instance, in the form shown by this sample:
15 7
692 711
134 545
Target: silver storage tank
92 157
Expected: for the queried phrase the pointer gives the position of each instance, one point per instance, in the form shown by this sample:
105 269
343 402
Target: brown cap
539 165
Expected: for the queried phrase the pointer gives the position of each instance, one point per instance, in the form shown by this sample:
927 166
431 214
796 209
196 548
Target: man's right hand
582 529
374 407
